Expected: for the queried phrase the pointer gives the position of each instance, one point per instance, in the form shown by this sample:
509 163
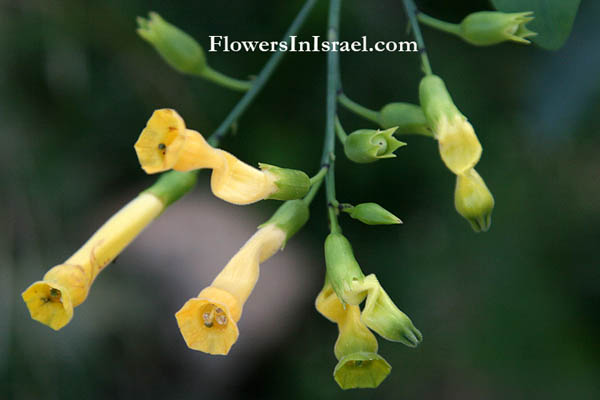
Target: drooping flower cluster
209 321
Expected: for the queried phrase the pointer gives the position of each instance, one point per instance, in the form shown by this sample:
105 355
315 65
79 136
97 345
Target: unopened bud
175 46
372 214
486 28
368 145
291 183
405 117
474 201
342 268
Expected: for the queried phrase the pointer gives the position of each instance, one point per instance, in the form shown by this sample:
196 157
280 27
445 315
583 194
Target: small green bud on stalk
487 28
368 145
458 145
176 47
372 214
291 183
405 117
474 201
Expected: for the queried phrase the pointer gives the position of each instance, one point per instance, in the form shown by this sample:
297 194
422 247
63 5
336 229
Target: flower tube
166 143
458 145
356 347
208 322
65 286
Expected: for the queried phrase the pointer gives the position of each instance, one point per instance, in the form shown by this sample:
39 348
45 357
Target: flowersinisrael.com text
316 45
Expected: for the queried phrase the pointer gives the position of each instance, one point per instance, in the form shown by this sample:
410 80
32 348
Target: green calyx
487 28
289 217
361 370
368 145
405 117
372 214
342 268
436 103
473 200
291 183
381 315
176 47
172 185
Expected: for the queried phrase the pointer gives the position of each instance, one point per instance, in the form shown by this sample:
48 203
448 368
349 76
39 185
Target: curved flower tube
208 322
166 143
65 286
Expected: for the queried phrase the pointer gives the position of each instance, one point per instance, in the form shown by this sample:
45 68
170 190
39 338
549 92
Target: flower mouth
361 370
49 304
208 322
161 142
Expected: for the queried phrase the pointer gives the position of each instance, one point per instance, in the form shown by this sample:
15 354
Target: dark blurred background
512 313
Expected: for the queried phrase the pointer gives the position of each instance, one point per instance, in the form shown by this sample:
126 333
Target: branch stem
411 12
333 86
223 80
358 109
443 26
262 78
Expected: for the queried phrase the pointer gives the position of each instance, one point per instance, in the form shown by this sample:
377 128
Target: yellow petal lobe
161 141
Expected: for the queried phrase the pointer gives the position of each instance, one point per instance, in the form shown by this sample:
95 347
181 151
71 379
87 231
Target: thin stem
315 185
358 109
224 80
333 84
316 180
262 78
411 12
444 26
339 129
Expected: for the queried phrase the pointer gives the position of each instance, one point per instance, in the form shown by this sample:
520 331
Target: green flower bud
473 200
381 315
175 46
361 370
291 183
372 214
342 268
289 217
406 117
368 145
458 145
492 27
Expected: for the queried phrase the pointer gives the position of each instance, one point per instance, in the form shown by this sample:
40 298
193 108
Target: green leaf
553 19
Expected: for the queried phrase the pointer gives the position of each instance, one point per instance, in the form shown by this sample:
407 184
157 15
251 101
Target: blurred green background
512 313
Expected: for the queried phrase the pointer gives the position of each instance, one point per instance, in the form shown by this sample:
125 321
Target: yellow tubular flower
51 301
459 147
208 322
165 144
356 347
